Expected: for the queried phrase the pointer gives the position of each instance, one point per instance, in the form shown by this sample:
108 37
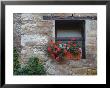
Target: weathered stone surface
85 71
85 14
39 39
91 38
16 32
75 64
80 71
62 14
91 25
92 33
91 71
45 23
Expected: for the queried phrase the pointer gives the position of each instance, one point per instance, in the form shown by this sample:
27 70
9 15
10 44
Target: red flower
73 39
58 49
55 46
65 51
74 45
69 42
51 42
49 49
57 58
53 56
55 52
65 45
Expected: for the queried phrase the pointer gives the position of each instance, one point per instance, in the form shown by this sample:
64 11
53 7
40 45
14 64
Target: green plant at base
16 64
34 67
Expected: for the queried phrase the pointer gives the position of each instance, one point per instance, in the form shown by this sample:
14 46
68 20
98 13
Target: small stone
51 71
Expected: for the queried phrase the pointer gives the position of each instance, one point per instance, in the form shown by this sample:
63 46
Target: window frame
77 38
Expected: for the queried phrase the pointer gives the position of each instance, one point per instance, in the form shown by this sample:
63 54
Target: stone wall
17 31
35 33
91 39
32 33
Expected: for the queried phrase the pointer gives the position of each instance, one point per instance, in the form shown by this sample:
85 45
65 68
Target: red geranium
69 55
55 52
65 51
59 53
53 55
57 58
58 49
65 45
51 42
74 45
49 49
55 46
69 42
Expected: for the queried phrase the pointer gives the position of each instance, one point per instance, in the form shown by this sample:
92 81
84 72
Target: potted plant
61 52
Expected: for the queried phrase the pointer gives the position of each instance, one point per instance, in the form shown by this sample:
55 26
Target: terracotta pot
74 57
77 57
62 62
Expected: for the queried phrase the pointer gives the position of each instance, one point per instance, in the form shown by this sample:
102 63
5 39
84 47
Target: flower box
60 51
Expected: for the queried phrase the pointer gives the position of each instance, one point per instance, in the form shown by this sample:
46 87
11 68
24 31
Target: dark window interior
65 30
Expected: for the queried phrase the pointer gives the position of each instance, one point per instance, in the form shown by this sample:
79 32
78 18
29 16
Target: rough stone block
85 14
91 48
90 25
62 14
92 33
91 40
45 23
39 39
91 71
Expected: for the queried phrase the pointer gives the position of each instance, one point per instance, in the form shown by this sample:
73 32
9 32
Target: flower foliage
60 51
